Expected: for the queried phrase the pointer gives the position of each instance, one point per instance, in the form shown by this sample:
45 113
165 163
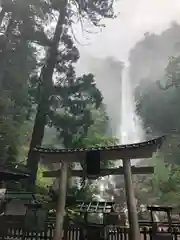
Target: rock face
149 57
108 73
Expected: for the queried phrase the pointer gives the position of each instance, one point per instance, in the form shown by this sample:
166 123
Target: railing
12 229
75 234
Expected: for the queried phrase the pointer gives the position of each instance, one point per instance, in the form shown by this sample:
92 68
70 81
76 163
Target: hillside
149 57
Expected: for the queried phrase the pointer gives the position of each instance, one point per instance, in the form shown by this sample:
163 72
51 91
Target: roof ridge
113 147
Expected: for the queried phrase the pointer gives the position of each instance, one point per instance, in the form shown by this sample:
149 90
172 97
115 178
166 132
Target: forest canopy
44 102
155 73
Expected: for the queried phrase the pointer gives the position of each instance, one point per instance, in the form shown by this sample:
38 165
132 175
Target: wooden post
60 212
131 201
103 172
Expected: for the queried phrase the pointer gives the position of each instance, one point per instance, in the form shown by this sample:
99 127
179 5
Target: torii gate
125 152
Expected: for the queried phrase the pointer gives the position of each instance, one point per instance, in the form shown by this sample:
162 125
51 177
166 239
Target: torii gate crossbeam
124 152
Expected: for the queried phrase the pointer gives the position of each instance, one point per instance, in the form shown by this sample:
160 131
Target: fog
103 52
134 19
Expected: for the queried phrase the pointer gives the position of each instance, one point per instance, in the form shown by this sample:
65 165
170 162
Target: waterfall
130 130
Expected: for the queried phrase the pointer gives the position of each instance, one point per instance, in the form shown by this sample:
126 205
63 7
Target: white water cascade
130 130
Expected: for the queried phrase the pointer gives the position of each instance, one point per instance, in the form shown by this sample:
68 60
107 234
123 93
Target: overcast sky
120 35
136 17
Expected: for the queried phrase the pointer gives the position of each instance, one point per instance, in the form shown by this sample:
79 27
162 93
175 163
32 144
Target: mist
104 52
134 19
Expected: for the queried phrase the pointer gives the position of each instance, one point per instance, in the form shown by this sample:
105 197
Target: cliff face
150 56
108 73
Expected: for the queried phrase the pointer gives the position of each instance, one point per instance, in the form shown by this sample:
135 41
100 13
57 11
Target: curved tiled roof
9 174
156 141
130 151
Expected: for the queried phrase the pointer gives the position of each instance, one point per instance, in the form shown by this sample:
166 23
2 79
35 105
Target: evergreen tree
19 26
67 12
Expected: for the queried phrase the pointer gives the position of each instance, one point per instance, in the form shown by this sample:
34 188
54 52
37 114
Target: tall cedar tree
72 99
67 12
20 25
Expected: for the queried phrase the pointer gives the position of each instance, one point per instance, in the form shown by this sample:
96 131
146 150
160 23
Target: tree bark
4 45
45 93
2 15
131 201
60 211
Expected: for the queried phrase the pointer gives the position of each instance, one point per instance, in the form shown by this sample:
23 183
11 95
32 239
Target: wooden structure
156 233
12 174
9 174
107 210
87 208
94 207
6 175
124 152
23 209
14 203
92 218
103 172
15 231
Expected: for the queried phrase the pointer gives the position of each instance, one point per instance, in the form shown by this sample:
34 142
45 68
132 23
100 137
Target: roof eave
132 151
113 155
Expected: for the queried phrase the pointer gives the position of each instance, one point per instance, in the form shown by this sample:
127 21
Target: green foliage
149 57
88 189
158 104
67 13
92 11
74 118
64 104
18 25
173 73
85 193
100 141
170 149
159 108
165 184
100 122
42 184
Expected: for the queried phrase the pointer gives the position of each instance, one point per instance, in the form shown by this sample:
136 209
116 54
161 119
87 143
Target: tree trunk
134 233
60 211
45 93
2 15
4 44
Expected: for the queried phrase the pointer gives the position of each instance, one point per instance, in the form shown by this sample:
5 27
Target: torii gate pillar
134 233
126 152
61 201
